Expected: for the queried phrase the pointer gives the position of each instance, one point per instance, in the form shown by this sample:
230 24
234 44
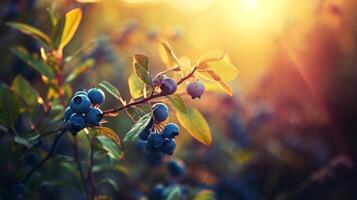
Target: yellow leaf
226 88
72 20
108 133
193 121
219 63
167 55
136 86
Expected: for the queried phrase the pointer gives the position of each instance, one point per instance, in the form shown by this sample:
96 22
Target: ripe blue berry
67 113
143 135
176 167
168 146
96 96
160 112
80 104
155 140
195 89
168 86
94 116
31 158
158 79
76 123
171 130
83 92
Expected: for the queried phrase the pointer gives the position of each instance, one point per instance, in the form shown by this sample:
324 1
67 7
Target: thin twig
90 175
152 96
45 159
79 165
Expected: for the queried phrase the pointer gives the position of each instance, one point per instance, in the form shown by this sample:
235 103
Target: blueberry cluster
84 110
164 141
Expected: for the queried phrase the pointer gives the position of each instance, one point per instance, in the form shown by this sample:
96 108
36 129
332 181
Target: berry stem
79 166
152 96
45 159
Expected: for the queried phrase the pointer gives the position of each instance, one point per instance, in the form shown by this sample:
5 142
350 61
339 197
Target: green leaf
9 106
111 90
195 124
142 60
177 102
28 141
110 146
79 51
85 66
108 133
110 182
137 112
32 31
174 193
71 22
25 90
138 127
136 86
142 73
205 195
35 63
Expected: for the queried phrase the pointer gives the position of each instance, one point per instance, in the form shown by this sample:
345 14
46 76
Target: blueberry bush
42 124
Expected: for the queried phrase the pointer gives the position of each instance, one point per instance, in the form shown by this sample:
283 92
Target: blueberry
19 188
144 134
155 140
94 116
170 131
160 112
67 113
83 92
150 148
158 192
168 146
96 96
31 158
168 86
80 104
195 89
176 167
76 123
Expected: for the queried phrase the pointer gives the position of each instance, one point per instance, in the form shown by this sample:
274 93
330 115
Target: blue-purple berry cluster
163 141
83 110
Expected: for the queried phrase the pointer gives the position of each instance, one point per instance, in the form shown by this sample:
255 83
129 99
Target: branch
152 96
45 159
79 165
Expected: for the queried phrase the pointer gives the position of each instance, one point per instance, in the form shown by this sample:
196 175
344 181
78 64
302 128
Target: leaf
217 62
71 22
226 88
29 141
141 67
111 90
109 133
174 193
32 31
25 90
136 86
136 112
138 127
88 1
205 195
196 125
167 55
79 51
9 106
35 63
177 102
142 60
110 146
110 182
85 66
